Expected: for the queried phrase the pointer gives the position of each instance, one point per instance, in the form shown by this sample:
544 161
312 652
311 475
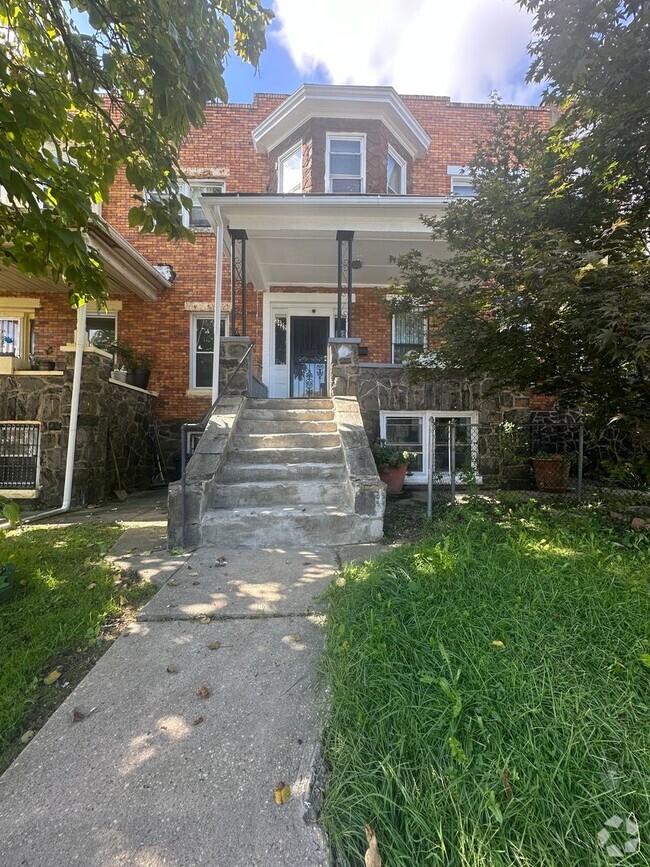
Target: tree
93 86
548 280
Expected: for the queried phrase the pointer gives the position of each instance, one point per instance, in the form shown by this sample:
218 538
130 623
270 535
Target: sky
463 49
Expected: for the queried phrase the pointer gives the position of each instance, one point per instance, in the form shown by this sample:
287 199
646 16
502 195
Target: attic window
290 171
346 164
395 174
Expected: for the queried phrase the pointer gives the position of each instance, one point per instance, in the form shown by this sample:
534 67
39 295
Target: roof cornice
348 102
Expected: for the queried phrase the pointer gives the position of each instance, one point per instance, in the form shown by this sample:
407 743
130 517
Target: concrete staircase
285 481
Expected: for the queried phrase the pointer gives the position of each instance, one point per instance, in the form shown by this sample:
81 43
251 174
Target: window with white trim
195 218
408 334
17 326
202 348
395 174
290 171
461 182
101 329
428 435
345 164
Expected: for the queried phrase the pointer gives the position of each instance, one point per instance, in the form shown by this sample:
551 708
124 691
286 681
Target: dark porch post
344 237
238 235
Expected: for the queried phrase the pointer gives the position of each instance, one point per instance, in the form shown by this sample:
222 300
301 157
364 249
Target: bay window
346 164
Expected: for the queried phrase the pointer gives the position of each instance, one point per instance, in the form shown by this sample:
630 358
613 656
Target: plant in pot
551 472
44 362
140 372
392 464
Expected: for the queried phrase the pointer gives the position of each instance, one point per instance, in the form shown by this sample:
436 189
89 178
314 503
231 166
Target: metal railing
19 454
200 426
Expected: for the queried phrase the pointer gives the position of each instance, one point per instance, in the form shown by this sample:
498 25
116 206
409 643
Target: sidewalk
190 721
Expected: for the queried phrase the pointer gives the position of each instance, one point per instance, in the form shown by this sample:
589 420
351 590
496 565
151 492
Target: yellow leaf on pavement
281 793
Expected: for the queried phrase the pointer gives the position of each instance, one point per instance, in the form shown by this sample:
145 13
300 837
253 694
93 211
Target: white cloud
463 49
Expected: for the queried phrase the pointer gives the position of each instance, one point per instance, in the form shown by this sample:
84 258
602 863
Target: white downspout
218 282
80 342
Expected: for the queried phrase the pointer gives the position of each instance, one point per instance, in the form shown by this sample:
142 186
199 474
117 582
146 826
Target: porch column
344 241
238 262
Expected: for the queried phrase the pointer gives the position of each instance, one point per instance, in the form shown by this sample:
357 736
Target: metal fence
546 459
19 455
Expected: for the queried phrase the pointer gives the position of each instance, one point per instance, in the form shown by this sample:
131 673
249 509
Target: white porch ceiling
292 239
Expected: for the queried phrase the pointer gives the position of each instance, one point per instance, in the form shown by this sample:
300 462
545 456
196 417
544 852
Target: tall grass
489 694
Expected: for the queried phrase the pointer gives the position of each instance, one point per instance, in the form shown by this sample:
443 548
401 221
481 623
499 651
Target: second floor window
461 182
395 174
346 164
290 171
195 217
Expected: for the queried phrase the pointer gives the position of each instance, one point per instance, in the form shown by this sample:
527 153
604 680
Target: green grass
460 751
65 593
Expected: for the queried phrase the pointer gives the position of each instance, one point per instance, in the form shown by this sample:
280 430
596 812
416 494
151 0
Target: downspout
80 342
218 281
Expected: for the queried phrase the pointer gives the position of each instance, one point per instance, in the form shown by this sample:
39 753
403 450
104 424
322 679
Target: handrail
201 425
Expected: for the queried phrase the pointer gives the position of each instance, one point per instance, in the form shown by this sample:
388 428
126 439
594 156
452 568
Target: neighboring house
310 192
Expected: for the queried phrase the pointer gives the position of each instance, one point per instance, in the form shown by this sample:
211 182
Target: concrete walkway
169 751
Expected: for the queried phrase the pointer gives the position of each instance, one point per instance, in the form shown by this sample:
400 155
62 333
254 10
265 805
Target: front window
408 334
195 217
290 171
406 433
346 164
101 329
395 174
202 349
10 334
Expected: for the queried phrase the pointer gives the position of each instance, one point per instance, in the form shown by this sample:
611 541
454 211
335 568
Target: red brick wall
223 148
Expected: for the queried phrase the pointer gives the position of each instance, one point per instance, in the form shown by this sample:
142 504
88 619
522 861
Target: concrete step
289 403
282 425
325 455
287 414
278 494
288 526
233 472
286 440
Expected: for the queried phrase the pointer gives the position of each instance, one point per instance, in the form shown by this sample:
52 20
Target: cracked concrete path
160 773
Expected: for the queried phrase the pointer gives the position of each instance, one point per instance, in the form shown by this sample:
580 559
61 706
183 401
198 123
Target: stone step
278 493
289 403
326 455
286 440
233 472
288 526
288 414
282 425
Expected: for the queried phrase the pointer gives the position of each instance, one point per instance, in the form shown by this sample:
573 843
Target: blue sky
463 50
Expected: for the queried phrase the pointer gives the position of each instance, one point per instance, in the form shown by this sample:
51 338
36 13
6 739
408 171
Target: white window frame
402 162
22 310
459 177
108 315
216 185
393 334
426 415
352 136
297 148
201 314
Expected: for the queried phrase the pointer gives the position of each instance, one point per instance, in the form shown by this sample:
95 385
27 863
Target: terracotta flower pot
394 478
552 473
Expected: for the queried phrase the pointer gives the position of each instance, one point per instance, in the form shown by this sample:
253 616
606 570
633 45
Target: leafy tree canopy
547 282
79 102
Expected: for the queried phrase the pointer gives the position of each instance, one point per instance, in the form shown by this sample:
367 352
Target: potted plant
44 363
551 472
140 372
392 464
8 347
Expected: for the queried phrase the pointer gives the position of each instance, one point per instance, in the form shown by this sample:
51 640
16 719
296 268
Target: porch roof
126 269
291 239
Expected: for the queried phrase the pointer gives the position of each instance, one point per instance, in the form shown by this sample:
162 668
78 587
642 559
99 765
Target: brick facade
223 148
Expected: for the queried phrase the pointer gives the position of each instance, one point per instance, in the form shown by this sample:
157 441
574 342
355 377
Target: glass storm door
308 376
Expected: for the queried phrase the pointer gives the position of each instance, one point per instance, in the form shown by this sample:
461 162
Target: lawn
490 691
62 615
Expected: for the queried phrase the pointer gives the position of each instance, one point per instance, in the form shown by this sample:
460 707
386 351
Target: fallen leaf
172 582
214 645
26 738
204 619
203 692
92 586
497 644
294 636
372 857
195 583
123 601
281 793
505 782
52 677
77 715
221 561
171 669
197 720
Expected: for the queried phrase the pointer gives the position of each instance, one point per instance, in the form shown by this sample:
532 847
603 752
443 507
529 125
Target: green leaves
78 107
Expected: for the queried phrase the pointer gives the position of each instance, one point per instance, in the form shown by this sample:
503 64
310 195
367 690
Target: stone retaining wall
106 409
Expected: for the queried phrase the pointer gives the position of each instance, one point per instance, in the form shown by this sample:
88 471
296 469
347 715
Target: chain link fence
547 458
